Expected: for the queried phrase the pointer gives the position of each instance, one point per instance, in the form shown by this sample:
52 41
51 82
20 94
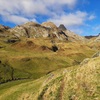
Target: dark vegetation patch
54 48
8 73
1 30
12 40
29 43
1 47
26 59
44 48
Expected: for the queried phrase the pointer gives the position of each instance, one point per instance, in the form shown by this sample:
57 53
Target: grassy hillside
34 57
79 82
41 63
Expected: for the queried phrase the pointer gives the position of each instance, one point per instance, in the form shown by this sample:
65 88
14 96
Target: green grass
77 82
6 86
30 62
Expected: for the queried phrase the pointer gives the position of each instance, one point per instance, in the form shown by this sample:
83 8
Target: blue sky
79 16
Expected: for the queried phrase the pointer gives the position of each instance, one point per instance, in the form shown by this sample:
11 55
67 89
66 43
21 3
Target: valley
42 61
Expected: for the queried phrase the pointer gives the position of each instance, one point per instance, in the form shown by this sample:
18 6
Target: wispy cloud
24 10
91 17
33 6
15 19
70 19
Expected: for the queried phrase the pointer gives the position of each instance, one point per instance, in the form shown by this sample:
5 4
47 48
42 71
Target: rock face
74 37
35 30
30 30
71 35
46 29
62 27
49 25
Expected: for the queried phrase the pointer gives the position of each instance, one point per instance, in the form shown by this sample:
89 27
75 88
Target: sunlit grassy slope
79 82
33 58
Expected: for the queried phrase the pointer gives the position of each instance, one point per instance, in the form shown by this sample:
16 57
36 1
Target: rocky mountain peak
46 29
29 24
62 27
49 24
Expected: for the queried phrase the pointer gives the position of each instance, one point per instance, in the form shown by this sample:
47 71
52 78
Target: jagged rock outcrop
49 24
74 37
46 29
34 30
30 29
62 27
71 35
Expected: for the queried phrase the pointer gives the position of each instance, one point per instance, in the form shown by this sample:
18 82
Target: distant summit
96 37
30 24
62 27
49 24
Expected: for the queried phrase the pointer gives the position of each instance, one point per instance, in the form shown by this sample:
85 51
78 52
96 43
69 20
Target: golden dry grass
73 83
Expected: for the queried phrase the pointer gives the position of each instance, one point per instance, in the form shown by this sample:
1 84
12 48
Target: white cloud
69 3
91 17
10 10
15 19
71 19
33 6
77 30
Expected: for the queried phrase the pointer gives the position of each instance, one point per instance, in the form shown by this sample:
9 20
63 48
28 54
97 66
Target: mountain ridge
38 62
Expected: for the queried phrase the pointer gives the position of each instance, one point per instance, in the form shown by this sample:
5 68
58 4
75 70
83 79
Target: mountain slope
53 56
33 58
80 82
31 50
